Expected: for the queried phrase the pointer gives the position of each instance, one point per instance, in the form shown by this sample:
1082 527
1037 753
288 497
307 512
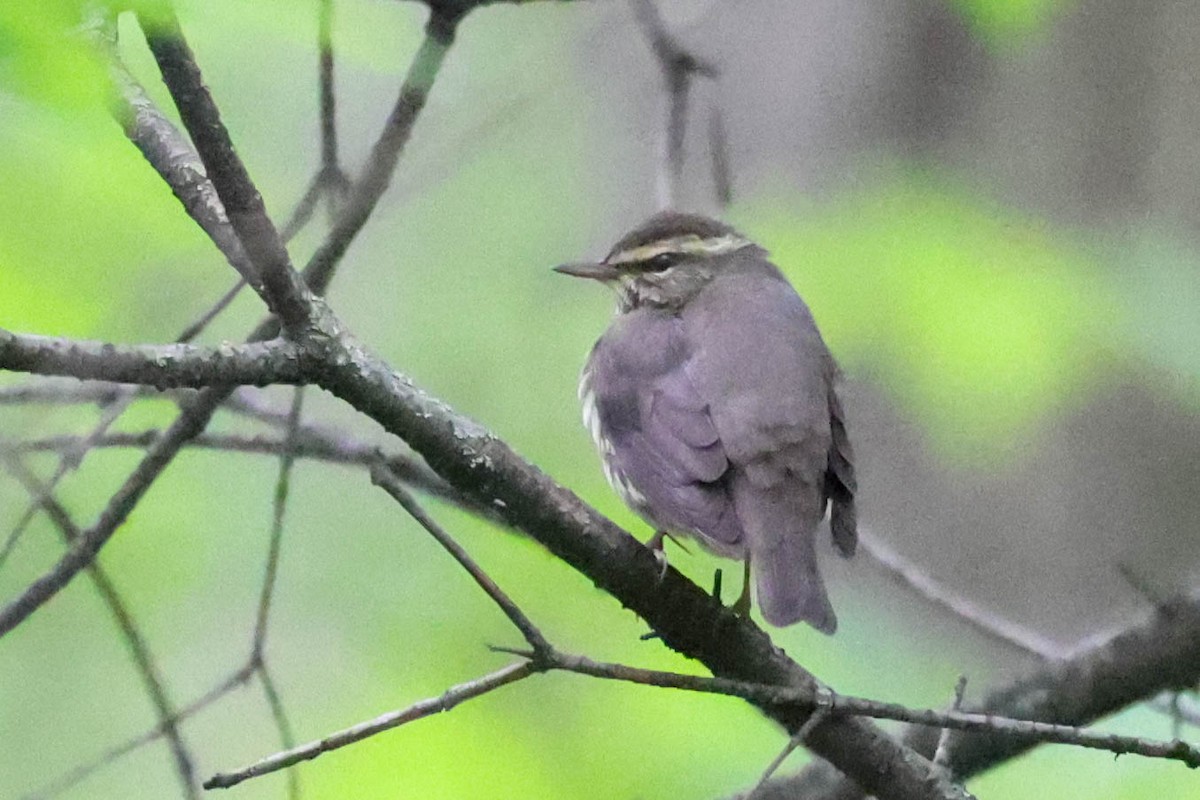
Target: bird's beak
597 271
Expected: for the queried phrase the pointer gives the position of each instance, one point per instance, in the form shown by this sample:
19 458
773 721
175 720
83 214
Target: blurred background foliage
989 204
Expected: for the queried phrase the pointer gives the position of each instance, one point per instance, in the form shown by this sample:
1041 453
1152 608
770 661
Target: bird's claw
656 545
741 606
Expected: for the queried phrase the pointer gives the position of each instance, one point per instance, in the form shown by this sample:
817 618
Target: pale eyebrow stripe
713 246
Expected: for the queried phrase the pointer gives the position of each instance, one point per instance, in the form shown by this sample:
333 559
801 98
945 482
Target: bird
712 400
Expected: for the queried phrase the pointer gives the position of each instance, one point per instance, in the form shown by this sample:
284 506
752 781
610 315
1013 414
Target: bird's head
665 261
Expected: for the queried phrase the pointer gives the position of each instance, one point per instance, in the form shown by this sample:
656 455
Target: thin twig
197 327
913 577
382 477
1141 586
283 290
60 392
794 742
448 700
286 737
377 173
839 705
338 186
678 66
722 170
257 656
312 442
282 489
84 771
199 410
279 508
139 650
941 756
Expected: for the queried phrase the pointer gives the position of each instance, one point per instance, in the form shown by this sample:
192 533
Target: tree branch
161 366
284 291
448 700
1018 731
1160 653
686 618
377 173
311 443
678 66
139 650
167 151
382 477
199 409
78 774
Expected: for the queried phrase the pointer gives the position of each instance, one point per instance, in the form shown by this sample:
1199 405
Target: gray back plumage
768 378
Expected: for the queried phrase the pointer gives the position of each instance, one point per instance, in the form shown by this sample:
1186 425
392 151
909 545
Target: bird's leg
741 606
656 543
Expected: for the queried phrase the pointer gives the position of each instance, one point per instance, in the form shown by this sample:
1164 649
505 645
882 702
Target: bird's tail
789 586
780 528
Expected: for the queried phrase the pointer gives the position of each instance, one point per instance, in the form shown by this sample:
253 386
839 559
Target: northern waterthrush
711 399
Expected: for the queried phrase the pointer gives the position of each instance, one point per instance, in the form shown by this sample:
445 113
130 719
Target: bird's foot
656 544
741 606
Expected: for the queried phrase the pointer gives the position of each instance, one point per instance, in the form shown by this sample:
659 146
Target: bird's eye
661 262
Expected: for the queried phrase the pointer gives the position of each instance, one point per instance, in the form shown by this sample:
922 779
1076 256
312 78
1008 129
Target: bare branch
329 143
382 477
916 579
60 392
678 66
82 772
162 366
1135 664
377 173
722 171
452 697
284 291
279 507
1024 731
941 755
147 667
167 151
313 443
331 177
286 737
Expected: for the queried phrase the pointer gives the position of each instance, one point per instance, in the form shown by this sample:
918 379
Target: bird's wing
763 368
840 482
766 374
658 430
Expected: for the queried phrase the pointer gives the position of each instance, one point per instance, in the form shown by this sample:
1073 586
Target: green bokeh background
979 321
